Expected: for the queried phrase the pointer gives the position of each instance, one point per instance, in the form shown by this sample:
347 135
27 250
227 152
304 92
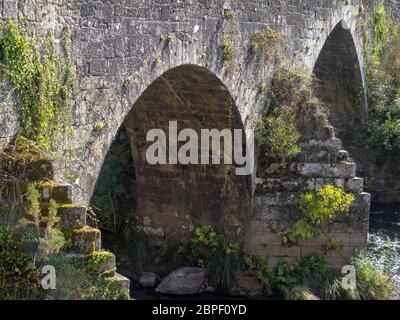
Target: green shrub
263 271
383 80
76 281
267 42
19 278
214 252
228 48
277 135
371 284
311 272
317 209
50 239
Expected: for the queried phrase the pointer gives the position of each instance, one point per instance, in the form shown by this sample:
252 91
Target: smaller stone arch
173 199
341 86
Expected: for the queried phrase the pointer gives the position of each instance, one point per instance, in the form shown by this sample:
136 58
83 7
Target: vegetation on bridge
43 80
383 80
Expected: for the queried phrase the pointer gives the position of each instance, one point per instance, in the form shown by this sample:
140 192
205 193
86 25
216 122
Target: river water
384 241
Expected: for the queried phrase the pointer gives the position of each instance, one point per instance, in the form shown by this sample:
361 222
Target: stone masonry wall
119 42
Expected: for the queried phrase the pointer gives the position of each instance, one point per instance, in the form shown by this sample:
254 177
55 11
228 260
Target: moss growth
229 15
97 261
84 239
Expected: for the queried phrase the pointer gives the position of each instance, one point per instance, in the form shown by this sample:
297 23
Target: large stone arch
341 86
173 199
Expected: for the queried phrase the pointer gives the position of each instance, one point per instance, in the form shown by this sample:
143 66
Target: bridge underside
173 199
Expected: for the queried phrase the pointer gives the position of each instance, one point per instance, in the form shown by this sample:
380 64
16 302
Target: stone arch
173 199
341 85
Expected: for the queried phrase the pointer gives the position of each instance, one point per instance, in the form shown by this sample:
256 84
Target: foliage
19 278
17 163
371 284
318 208
311 278
214 252
277 135
229 15
43 82
383 69
263 271
381 28
295 114
302 294
228 48
49 238
267 42
311 272
76 281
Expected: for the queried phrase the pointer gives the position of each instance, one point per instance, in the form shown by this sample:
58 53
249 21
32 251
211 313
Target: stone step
124 281
273 185
322 170
322 156
355 185
102 263
58 191
331 145
345 170
84 240
72 216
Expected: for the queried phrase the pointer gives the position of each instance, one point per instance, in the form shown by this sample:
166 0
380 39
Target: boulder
147 279
183 281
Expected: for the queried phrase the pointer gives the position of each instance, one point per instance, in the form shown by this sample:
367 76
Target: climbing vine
43 80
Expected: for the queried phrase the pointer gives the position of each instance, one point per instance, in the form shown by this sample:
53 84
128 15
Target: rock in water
148 279
183 281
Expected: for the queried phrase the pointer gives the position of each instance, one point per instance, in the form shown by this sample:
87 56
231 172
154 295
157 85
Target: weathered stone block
85 239
359 239
355 185
72 216
58 191
123 281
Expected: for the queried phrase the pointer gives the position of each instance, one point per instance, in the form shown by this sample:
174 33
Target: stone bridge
144 62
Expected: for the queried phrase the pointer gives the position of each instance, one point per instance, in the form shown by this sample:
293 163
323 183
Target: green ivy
43 80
